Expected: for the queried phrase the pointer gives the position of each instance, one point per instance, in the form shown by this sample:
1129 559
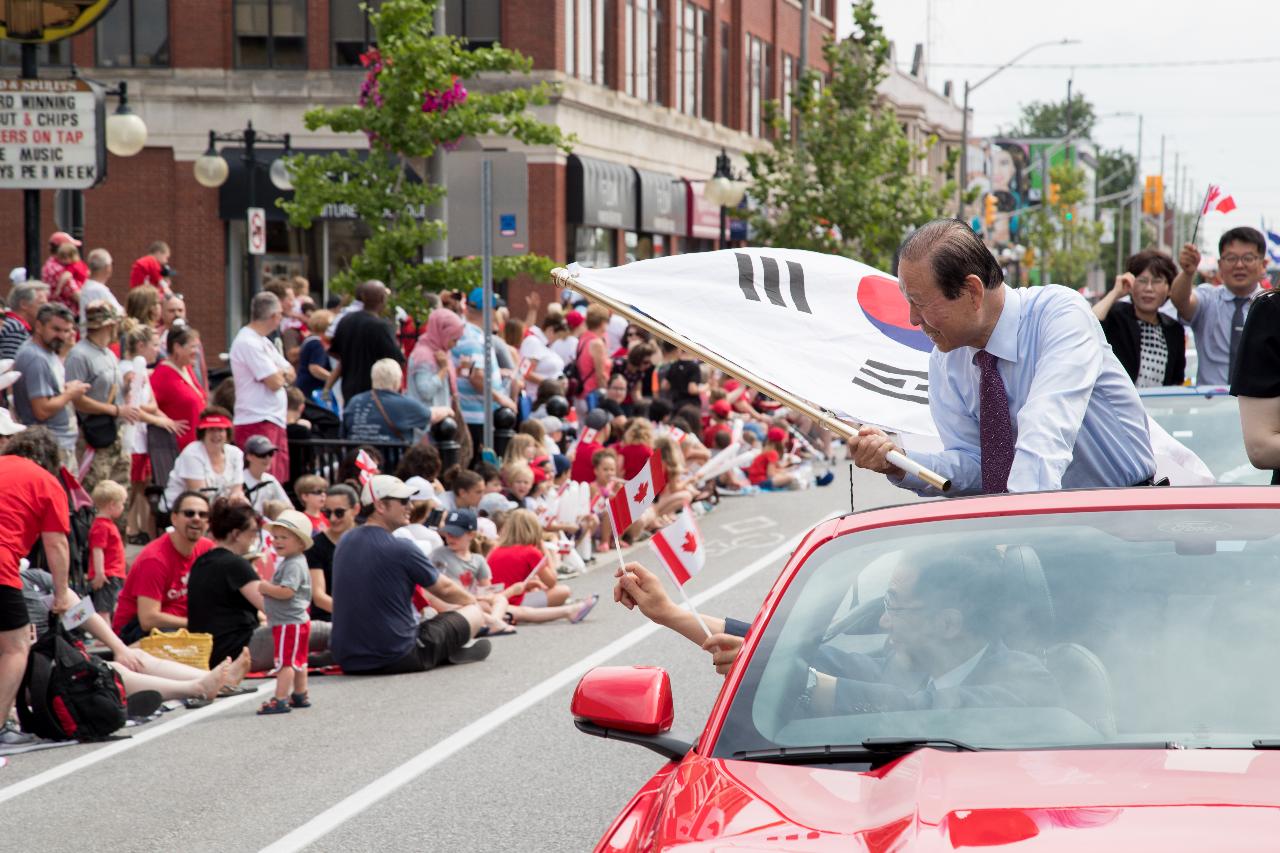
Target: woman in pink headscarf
432 378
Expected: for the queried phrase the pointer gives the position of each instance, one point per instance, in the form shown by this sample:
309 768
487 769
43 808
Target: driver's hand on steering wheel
724 650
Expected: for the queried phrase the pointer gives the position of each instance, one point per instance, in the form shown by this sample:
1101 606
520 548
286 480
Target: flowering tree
413 101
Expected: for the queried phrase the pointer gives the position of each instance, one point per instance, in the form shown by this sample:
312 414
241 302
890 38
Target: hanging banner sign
51 135
39 22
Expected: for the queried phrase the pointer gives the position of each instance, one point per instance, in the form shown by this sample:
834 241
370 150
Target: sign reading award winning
51 135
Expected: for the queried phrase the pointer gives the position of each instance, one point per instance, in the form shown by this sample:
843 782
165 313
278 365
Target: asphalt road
483 756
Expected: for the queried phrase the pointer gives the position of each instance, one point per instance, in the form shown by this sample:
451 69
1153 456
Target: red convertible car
1061 671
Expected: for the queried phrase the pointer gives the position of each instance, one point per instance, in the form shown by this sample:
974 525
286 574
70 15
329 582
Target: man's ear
951 622
975 290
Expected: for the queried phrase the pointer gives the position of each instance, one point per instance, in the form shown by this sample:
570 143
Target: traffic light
1029 257
1069 214
1053 193
1153 195
989 210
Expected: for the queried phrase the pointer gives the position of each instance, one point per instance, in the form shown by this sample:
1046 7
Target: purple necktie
994 427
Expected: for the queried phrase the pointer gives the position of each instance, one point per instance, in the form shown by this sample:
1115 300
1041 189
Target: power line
1190 63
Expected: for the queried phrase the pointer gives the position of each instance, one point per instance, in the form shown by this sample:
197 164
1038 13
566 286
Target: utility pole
1160 220
31 198
1177 202
1135 239
805 8
1069 81
1044 200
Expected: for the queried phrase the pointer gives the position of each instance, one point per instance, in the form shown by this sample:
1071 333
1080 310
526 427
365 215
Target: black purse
100 430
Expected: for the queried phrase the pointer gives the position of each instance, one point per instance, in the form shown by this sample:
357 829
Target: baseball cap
776 434
476 299
459 522
294 522
422 490
721 408
383 486
486 528
8 426
60 237
562 463
258 445
17 275
574 319
597 418
496 502
551 424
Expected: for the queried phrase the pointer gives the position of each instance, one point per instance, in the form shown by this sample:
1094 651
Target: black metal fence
325 456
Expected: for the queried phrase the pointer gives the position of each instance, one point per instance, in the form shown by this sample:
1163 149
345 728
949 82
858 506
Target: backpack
67 693
81 515
572 377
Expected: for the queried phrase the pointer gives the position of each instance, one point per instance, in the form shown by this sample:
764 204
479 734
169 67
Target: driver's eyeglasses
333 513
194 513
1232 260
889 607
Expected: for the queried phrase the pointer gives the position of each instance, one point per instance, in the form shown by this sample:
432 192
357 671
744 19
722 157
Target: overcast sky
1221 118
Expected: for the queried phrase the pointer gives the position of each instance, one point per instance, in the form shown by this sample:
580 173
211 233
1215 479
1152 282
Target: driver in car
944 649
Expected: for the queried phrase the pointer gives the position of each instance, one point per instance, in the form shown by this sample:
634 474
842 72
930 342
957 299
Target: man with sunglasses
375 628
1216 314
340 507
155 591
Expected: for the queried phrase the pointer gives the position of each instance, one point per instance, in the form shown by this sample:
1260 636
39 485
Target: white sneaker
11 736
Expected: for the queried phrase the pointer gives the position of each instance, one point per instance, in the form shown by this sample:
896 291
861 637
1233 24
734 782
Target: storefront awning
704 217
601 193
662 203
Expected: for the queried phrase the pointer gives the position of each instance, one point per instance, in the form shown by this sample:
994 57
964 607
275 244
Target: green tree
1072 242
849 184
1116 169
415 99
1048 119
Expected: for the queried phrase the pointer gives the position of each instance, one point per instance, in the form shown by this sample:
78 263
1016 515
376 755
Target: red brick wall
536 29
201 33
547 210
147 197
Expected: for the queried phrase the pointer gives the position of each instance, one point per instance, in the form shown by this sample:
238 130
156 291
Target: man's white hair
386 375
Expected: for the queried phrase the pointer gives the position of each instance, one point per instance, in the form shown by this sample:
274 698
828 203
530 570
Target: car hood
934 800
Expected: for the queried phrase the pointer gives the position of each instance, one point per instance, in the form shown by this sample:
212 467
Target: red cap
214 422
60 237
574 319
540 474
777 434
731 385
721 408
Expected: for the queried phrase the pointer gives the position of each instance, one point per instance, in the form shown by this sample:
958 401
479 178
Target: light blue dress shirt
1212 327
1077 419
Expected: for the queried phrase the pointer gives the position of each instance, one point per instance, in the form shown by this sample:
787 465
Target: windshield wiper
872 749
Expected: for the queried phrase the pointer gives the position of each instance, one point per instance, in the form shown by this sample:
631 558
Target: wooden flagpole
566 279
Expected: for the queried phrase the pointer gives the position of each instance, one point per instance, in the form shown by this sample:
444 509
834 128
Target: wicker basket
179 646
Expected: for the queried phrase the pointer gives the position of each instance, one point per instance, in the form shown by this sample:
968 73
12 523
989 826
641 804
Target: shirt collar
1003 343
956 677
1225 294
20 319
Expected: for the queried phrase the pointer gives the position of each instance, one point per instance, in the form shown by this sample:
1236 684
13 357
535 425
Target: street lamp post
725 191
211 170
964 118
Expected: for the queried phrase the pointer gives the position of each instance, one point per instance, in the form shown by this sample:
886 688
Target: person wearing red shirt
174 385
636 448
597 421
152 268
719 422
33 505
526 567
106 547
155 592
767 470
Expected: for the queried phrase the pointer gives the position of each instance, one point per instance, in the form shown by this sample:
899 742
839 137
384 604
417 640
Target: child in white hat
286 599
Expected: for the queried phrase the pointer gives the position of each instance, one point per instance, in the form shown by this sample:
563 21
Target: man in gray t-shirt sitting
44 395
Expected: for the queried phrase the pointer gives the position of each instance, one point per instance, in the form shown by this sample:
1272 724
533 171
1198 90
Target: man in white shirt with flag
1024 390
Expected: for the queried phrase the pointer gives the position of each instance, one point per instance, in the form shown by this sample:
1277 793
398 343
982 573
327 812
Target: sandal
274 706
238 690
584 609
299 700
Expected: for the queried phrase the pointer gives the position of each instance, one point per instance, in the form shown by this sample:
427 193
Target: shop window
477 21
642 247
54 54
350 32
134 34
694 62
271 33
640 24
584 39
725 76
593 247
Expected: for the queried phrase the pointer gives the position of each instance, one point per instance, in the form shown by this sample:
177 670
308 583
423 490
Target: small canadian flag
1219 200
679 546
638 493
367 467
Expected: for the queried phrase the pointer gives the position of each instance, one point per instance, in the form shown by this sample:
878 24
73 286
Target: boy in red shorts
286 599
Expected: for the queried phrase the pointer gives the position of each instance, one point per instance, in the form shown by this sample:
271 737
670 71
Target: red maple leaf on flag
690 544
641 492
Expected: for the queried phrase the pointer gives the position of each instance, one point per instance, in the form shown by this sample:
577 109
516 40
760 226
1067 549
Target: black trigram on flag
896 382
772 283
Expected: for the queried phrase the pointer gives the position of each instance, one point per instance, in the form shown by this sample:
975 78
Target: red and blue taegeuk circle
886 308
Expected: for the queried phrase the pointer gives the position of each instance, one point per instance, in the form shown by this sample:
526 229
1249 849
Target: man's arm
1260 422
448 590
1182 293
639 587
46 407
150 616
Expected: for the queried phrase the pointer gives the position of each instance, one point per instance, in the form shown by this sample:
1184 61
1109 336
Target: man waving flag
638 493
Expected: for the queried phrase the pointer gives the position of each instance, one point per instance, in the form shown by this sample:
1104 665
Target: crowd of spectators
292 500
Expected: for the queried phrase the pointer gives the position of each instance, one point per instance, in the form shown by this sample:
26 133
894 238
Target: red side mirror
625 698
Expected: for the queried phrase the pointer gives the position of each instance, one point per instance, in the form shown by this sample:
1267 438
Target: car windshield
1017 632
1209 426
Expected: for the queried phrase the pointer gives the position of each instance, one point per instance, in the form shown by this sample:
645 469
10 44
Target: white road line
53 774
342 811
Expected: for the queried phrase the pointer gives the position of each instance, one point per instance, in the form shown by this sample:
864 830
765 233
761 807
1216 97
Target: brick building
653 89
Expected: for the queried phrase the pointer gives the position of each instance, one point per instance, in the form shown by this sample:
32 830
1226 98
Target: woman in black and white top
1151 345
